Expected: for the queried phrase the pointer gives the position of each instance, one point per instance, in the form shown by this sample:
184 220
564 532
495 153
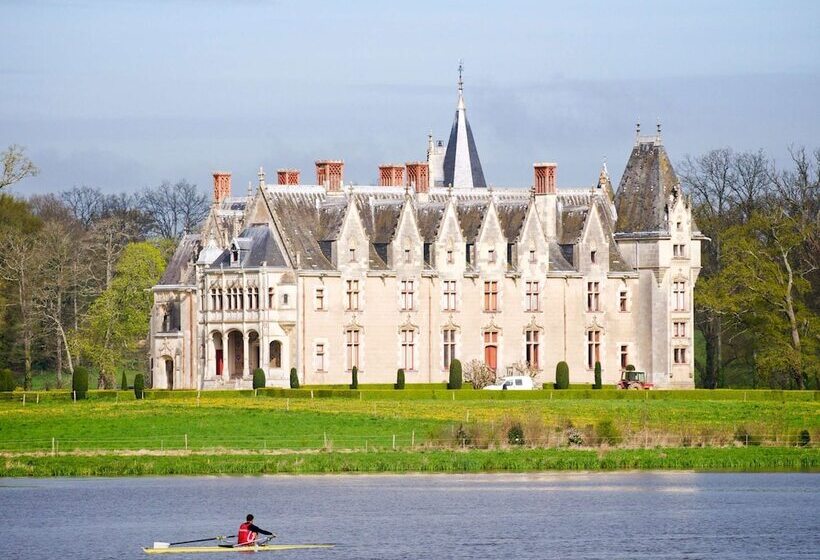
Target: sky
126 94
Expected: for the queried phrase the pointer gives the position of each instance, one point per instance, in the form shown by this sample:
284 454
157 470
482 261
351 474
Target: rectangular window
408 257
592 256
622 301
285 299
510 253
532 348
219 299
680 355
352 347
679 329
679 251
320 299
593 347
449 346
532 293
624 356
320 357
408 348
592 296
352 303
532 255
407 293
468 253
271 299
450 257
491 255
449 295
352 254
491 295
679 295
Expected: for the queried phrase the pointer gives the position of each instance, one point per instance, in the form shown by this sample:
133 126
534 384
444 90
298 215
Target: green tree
79 382
139 386
258 378
354 378
117 323
7 382
399 379
597 384
124 382
456 378
294 378
562 376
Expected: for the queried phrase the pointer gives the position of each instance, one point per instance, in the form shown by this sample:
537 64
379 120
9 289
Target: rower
246 536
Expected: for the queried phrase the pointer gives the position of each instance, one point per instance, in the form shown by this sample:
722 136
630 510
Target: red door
491 357
219 362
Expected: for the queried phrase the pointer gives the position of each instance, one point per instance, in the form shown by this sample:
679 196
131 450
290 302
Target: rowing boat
230 548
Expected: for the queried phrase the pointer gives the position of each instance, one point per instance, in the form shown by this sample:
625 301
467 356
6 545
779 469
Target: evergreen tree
562 376
79 382
354 374
294 378
597 384
124 382
258 378
399 379
455 375
139 386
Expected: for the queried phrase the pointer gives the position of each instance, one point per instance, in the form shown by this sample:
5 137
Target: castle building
432 265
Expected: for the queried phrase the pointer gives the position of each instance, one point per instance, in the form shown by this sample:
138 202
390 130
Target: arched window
275 354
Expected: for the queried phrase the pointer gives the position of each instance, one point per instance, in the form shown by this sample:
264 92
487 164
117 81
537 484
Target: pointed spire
261 176
462 166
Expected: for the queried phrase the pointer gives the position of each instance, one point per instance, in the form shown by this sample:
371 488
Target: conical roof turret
462 167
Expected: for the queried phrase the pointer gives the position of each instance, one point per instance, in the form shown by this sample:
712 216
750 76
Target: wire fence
183 443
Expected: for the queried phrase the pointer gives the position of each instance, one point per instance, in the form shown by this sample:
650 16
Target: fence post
38 398
394 442
413 439
287 404
454 395
311 393
365 446
186 442
324 438
747 440
74 396
53 447
24 399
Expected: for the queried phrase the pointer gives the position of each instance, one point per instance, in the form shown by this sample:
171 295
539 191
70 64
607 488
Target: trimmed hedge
79 382
399 379
294 378
562 376
139 386
258 378
456 379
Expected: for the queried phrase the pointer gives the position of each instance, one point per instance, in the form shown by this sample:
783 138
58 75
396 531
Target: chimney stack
222 185
330 174
418 176
287 176
544 177
391 175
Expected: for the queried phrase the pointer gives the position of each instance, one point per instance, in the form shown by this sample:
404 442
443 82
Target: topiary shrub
258 378
630 367
354 375
7 382
139 386
294 378
399 379
515 435
597 384
804 439
455 375
79 382
562 376
124 382
607 433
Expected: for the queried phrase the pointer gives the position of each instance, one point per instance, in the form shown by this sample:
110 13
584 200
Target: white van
512 383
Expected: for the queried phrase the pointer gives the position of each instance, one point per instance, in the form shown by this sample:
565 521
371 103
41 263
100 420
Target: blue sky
121 95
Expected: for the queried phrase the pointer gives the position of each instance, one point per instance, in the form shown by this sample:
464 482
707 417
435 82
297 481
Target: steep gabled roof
512 216
462 168
180 269
258 245
645 187
428 218
297 213
470 217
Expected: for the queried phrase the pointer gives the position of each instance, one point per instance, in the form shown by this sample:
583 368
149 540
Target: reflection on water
530 516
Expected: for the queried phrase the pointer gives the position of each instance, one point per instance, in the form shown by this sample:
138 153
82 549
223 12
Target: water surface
529 516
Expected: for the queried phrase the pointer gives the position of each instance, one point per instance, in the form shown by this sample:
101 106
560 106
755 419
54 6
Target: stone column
245 356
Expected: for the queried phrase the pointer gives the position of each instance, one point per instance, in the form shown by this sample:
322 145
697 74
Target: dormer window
408 257
234 253
352 254
532 255
450 256
491 255
592 256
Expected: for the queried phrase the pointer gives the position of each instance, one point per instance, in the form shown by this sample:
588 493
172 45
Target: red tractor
631 379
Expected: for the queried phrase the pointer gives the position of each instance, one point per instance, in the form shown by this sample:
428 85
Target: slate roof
644 190
462 167
257 245
180 269
512 216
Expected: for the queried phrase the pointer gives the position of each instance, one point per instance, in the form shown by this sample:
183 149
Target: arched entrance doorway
253 350
169 372
219 357
275 355
236 354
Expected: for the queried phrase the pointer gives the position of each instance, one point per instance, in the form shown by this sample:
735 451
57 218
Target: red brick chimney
391 175
330 174
287 176
418 176
544 177
222 185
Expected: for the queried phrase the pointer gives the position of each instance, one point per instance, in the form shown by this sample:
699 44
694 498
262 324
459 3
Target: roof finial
261 176
659 130
460 77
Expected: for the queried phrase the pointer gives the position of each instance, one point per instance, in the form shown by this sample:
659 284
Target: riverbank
739 459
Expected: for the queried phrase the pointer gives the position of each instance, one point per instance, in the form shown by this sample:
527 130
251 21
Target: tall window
450 257
593 347
491 255
624 356
491 349
680 355
679 250
449 295
532 255
408 349
319 358
679 295
352 295
253 298
491 295
407 293
679 329
593 256
271 298
532 296
408 257
592 296
320 299
532 341
351 254
219 299
214 304
622 301
449 346
352 348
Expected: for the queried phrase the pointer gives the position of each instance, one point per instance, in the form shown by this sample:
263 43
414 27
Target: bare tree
173 210
16 166
86 203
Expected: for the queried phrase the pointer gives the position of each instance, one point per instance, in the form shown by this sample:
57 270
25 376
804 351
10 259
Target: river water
432 517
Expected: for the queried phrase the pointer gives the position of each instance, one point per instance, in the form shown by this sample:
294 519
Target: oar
167 544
